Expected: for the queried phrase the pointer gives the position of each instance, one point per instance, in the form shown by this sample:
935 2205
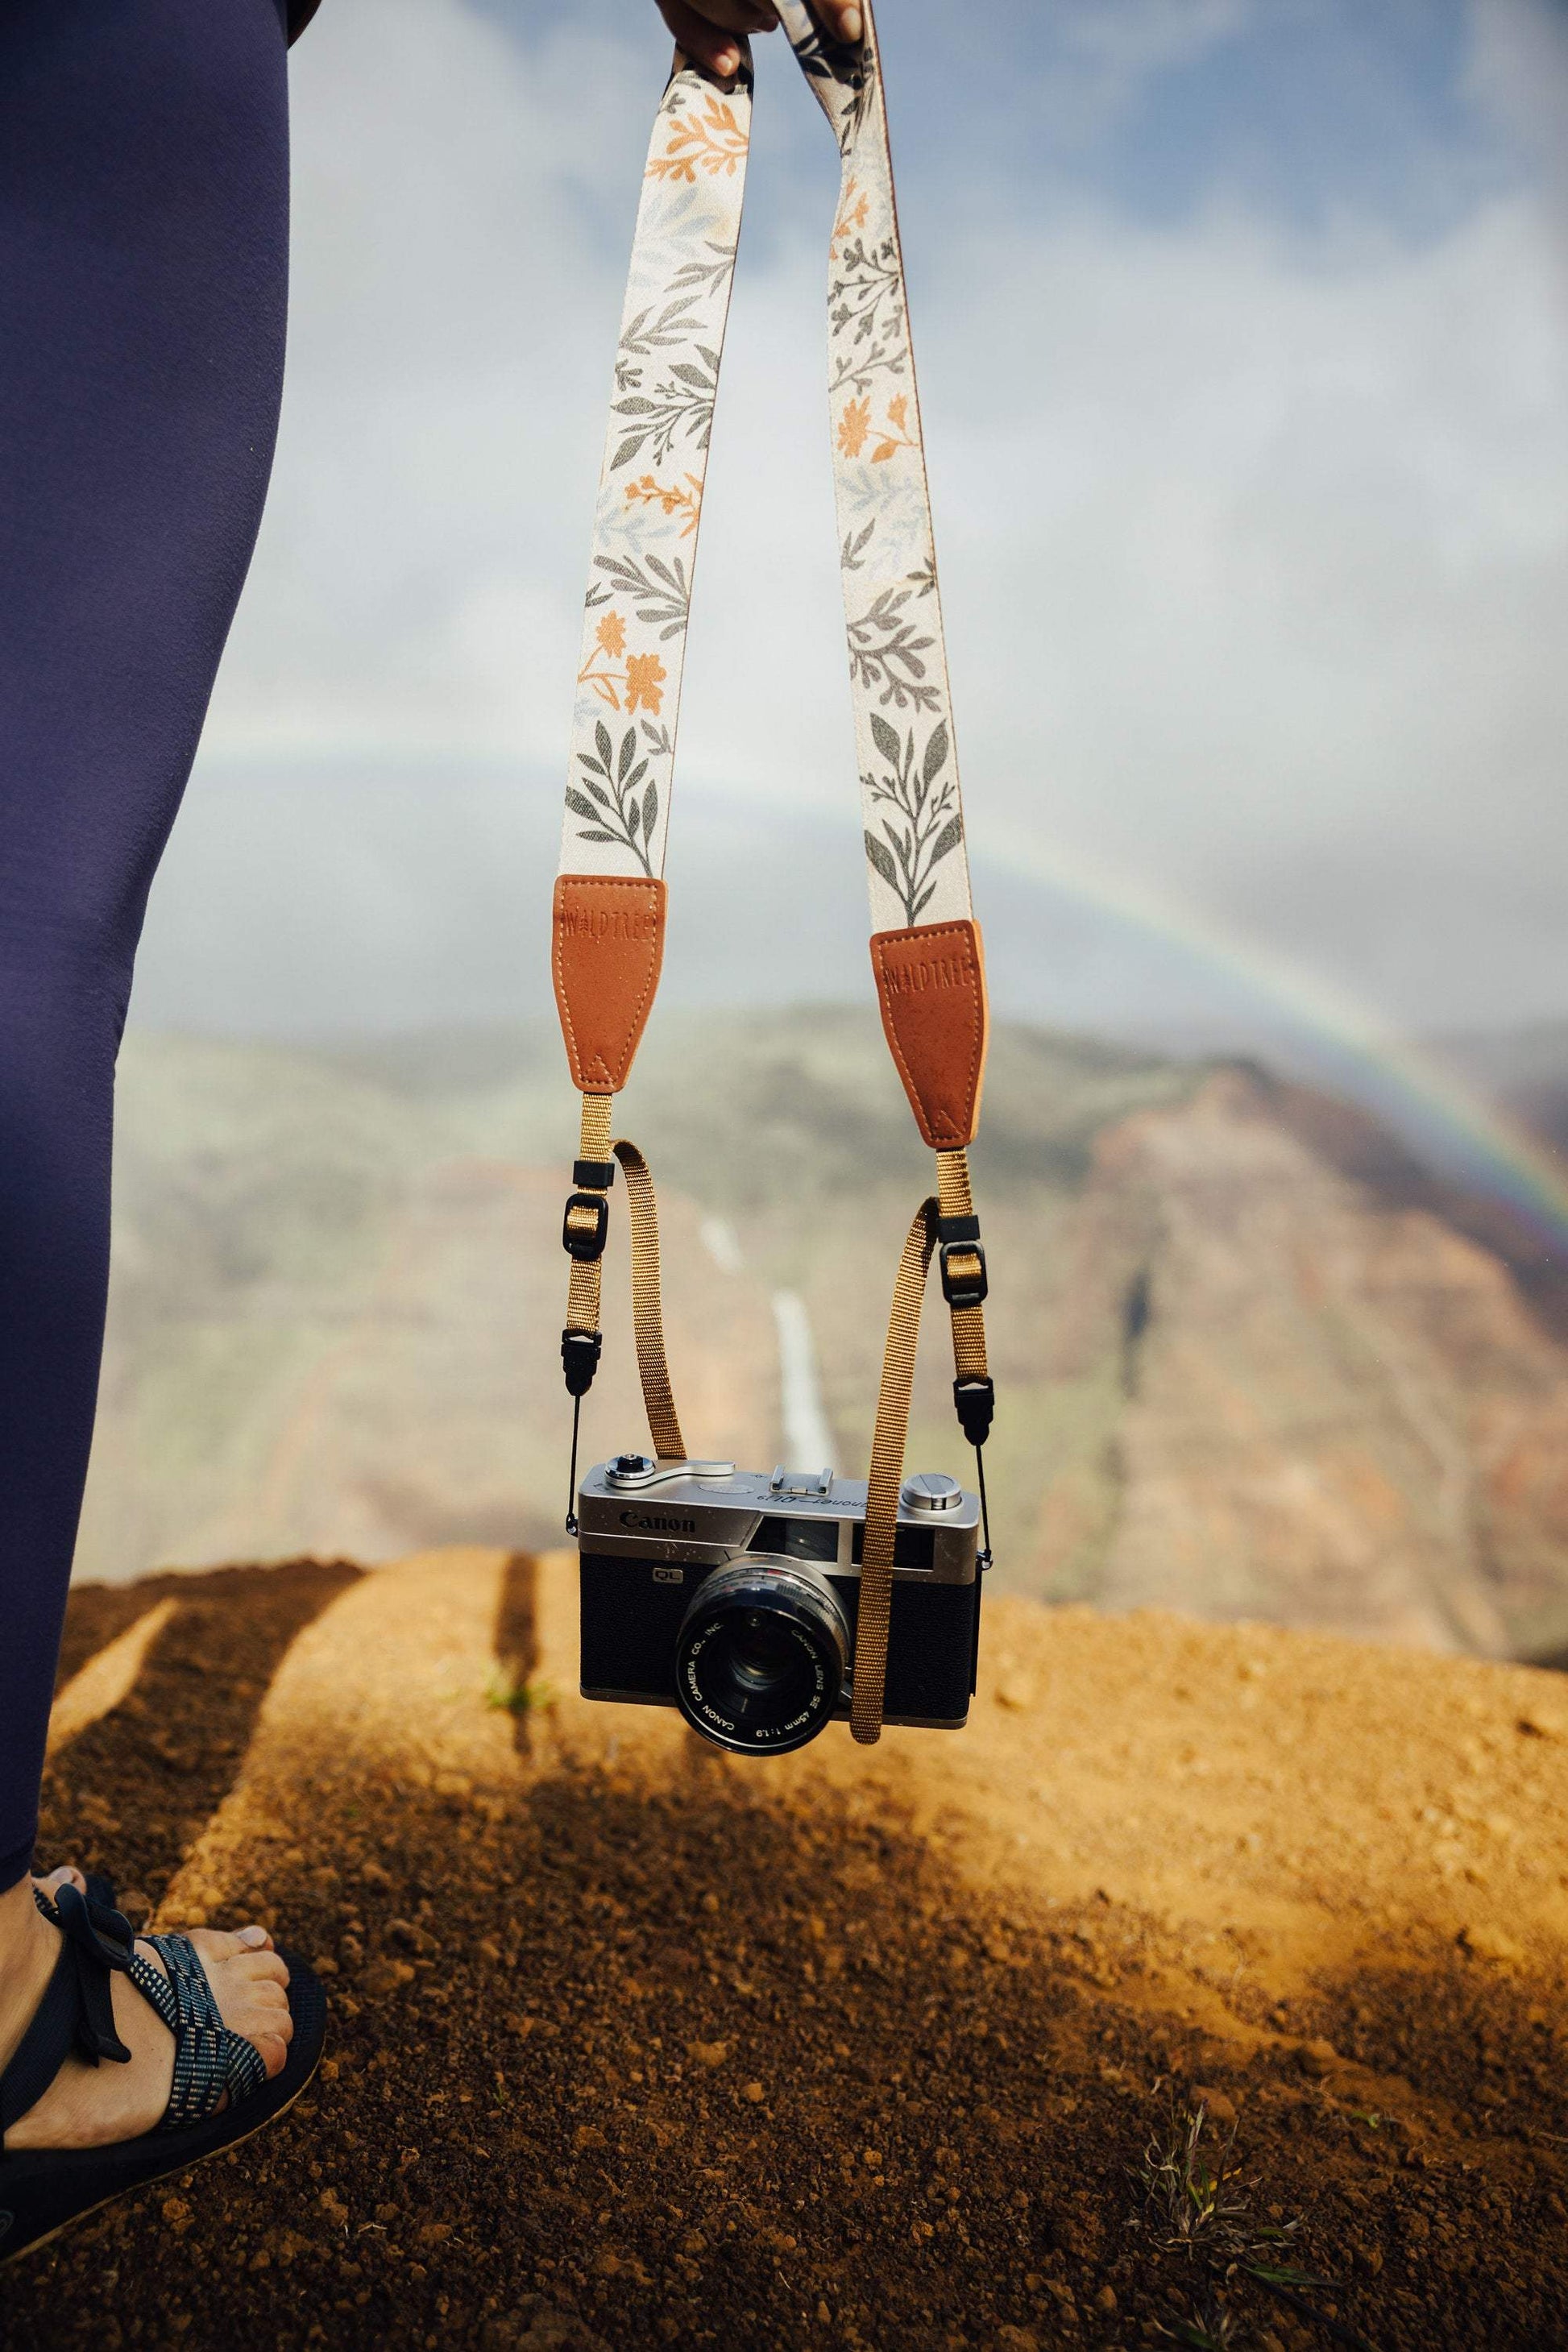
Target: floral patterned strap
650 488
650 495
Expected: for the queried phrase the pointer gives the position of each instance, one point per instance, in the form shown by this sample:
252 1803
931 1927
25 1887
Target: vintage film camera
734 1596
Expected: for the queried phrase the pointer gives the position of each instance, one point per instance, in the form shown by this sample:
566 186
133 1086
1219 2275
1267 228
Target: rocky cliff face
1252 1362
1327 1408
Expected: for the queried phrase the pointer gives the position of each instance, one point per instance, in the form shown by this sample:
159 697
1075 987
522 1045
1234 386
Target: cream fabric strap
616 825
656 460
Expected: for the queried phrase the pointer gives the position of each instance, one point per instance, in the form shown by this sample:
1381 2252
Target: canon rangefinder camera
734 1596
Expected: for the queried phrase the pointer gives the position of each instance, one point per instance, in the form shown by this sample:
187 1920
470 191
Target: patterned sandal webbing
76 2016
209 2057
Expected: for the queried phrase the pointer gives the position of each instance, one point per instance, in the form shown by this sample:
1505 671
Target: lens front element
761 1657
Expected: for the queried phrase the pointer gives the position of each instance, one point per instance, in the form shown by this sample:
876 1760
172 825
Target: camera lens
761 1656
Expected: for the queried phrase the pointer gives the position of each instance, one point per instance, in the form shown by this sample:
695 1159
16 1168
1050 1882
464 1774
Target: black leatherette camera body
645 1551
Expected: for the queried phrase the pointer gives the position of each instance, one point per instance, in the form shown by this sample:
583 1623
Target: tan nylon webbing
884 1480
891 1434
648 1307
585 1288
968 1322
582 1282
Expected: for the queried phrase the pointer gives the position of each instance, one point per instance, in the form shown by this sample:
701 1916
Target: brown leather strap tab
931 983
608 946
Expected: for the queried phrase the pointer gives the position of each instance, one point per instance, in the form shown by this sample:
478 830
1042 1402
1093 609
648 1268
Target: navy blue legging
143 262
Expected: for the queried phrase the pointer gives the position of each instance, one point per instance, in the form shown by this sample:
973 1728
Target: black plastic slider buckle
962 1263
974 1401
580 1359
599 1173
579 1238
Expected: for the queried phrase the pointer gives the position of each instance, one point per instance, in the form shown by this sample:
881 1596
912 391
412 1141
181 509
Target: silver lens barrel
761 1657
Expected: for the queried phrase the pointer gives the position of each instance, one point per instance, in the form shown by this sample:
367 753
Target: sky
1243 337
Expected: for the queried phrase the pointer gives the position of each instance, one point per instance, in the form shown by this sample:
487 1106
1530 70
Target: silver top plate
708 1514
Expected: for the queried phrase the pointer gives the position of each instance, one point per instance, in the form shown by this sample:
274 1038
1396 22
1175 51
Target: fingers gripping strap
917 868
609 908
621 764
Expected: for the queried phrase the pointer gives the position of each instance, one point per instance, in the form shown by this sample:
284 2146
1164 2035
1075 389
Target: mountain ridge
338 1291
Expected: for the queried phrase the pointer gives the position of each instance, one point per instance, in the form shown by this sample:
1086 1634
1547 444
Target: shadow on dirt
704 2068
131 1793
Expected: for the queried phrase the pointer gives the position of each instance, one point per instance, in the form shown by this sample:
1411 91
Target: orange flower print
852 214
671 497
854 425
895 432
646 675
609 642
713 141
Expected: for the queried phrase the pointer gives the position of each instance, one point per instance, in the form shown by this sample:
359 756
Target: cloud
1254 540
1519 73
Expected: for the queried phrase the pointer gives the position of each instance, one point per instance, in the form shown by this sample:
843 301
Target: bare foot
88 2106
67 1875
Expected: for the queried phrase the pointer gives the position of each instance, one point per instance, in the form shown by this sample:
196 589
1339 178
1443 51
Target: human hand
706 29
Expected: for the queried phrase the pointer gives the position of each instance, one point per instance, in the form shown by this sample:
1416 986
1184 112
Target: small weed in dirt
1192 2205
508 1694
1190 2202
1211 2328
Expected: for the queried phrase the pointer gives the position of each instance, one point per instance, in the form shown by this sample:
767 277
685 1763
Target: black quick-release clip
580 1359
579 1362
962 1261
974 1401
585 1226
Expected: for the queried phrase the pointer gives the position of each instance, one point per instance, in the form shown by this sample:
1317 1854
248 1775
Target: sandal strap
210 2058
76 2015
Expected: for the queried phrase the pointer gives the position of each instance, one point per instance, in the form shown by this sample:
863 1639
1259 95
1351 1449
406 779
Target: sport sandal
43 2190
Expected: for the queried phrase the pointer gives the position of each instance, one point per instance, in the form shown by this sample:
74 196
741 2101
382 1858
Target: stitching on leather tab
650 890
951 1140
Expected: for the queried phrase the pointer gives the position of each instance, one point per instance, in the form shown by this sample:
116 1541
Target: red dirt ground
635 2045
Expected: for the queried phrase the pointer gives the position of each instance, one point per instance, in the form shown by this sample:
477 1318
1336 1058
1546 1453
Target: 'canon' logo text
658 1523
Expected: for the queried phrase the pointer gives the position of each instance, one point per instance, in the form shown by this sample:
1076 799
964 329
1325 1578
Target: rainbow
1412 1089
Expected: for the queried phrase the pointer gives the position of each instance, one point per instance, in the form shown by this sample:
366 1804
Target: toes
220 1944
262 1968
274 2051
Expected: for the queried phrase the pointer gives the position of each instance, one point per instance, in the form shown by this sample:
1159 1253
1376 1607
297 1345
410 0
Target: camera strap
610 897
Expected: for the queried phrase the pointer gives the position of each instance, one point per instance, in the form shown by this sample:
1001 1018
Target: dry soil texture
634 2045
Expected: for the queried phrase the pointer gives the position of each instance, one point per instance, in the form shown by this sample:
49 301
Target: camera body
734 1596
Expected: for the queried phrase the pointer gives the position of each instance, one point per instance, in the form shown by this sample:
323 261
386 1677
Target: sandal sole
308 2006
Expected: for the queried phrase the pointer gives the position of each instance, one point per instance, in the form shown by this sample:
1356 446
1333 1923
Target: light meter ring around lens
809 1635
